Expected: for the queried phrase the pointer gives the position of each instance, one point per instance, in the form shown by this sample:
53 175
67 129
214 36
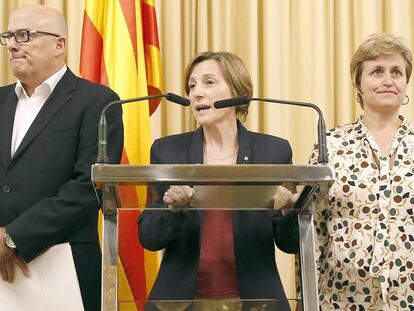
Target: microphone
322 148
102 129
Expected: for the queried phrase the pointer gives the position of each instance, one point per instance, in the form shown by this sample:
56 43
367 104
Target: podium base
209 305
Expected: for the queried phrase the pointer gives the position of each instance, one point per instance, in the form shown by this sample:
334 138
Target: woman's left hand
284 199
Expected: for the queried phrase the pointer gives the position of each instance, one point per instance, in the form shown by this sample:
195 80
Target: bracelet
8 241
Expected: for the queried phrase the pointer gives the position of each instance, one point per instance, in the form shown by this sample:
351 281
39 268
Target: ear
60 46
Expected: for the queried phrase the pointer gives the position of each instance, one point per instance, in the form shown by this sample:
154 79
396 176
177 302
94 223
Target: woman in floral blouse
365 232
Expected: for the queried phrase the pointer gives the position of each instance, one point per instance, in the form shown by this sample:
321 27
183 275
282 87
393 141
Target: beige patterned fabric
365 232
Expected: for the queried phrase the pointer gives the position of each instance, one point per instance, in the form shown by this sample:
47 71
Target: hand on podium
178 197
284 199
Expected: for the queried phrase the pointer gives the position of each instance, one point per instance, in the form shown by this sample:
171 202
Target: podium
315 180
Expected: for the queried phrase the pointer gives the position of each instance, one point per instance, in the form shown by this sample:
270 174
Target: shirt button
6 189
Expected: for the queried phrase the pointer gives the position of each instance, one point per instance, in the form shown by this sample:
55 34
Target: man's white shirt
28 107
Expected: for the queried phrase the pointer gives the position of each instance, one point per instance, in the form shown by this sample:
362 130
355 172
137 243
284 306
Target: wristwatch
8 241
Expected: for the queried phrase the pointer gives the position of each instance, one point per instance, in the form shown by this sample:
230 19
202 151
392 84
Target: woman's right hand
178 197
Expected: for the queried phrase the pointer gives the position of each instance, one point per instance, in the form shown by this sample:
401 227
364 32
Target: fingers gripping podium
315 179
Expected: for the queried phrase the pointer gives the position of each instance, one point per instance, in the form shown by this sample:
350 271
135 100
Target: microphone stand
322 147
102 129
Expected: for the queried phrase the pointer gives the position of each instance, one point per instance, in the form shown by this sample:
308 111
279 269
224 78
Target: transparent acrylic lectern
315 179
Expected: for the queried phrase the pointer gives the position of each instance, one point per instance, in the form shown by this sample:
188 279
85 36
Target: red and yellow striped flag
120 49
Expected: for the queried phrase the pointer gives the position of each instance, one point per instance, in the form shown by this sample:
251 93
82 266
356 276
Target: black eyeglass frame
6 36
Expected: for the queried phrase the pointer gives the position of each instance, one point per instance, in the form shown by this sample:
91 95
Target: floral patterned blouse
365 232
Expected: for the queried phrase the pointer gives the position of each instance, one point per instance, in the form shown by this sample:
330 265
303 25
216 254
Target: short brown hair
235 74
375 46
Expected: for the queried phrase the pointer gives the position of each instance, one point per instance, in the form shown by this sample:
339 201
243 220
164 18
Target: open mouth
202 107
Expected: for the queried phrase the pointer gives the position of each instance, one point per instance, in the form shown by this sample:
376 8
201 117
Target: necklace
221 158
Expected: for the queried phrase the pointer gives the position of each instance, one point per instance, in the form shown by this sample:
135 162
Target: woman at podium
215 254
365 230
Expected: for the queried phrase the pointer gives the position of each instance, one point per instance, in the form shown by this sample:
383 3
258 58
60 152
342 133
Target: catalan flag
120 49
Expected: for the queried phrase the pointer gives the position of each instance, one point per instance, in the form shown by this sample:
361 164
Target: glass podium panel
221 197
236 187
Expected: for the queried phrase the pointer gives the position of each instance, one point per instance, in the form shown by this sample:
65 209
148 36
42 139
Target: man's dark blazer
255 232
46 193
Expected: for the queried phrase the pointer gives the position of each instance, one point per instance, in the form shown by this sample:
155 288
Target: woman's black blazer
255 232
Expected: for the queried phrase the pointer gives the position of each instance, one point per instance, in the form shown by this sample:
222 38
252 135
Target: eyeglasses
22 35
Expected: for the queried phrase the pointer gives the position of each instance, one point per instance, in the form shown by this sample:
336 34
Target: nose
388 81
13 45
197 90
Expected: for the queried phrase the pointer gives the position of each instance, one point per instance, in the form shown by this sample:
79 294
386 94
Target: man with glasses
48 142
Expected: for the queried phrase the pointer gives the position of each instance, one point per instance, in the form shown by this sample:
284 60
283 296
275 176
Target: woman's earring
408 100
359 98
